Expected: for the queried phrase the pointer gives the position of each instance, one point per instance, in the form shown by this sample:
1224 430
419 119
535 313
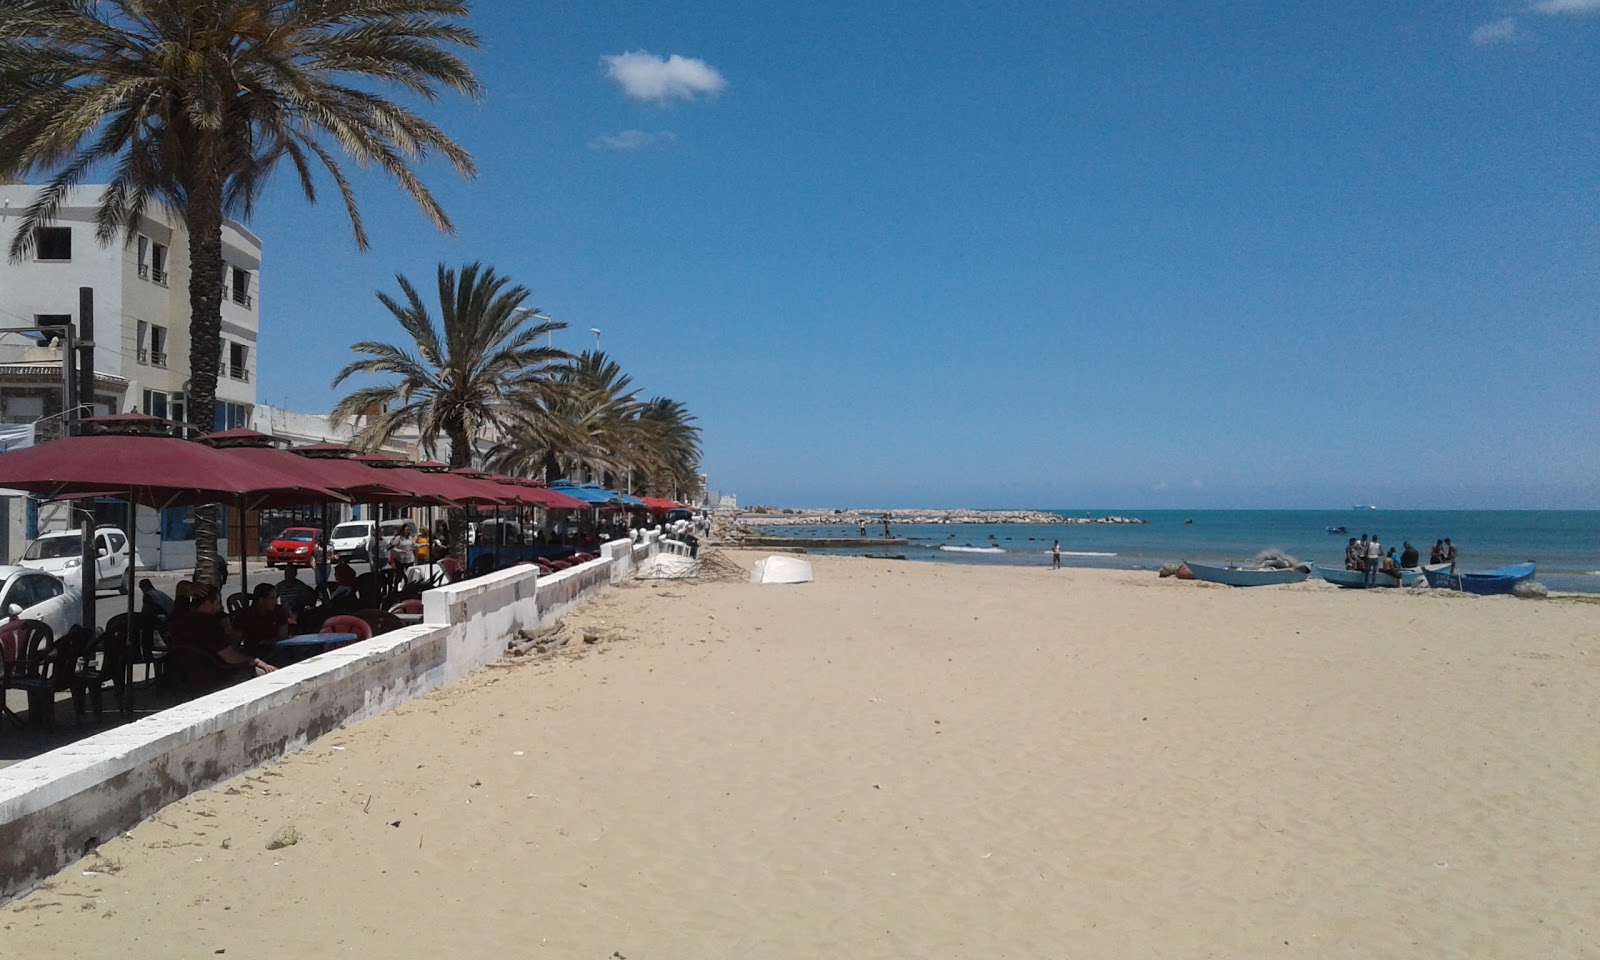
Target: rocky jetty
774 517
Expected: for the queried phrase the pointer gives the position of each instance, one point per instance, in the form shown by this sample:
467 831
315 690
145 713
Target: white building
141 336
141 313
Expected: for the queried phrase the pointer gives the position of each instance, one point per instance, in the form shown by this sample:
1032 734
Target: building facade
140 287
141 313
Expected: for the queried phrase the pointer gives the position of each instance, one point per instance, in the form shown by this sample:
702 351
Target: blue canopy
595 494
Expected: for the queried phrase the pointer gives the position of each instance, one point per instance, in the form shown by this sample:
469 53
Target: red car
297 545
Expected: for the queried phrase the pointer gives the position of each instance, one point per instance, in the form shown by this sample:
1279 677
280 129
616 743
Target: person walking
1055 555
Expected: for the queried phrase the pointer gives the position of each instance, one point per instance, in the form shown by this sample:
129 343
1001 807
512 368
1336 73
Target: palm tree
194 103
468 372
669 461
579 420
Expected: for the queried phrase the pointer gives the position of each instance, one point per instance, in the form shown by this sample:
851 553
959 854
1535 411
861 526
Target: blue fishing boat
1487 583
1358 579
1247 576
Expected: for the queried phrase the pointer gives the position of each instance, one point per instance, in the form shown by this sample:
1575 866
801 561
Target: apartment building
141 334
141 311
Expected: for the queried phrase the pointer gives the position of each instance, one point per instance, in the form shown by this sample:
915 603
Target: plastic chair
411 606
238 601
451 567
347 623
381 621
27 652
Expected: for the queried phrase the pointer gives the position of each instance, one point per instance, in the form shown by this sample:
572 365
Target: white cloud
1557 7
645 76
629 140
1491 34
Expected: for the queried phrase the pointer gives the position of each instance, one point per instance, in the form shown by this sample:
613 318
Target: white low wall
57 806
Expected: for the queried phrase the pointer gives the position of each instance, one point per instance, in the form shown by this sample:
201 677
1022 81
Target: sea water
1565 543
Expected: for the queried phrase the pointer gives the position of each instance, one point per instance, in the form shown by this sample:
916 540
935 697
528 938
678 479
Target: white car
61 554
27 594
355 540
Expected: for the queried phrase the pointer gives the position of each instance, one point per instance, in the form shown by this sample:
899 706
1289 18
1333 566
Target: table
306 645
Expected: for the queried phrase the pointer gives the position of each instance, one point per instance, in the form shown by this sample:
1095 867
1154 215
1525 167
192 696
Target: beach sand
917 760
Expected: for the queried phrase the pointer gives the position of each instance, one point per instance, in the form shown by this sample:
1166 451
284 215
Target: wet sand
918 760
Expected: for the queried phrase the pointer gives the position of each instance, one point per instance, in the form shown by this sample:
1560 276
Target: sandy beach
918 760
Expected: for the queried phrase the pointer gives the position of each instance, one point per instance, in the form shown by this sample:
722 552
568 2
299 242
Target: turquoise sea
1565 543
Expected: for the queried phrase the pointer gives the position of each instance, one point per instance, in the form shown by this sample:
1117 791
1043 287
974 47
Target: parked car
297 545
61 554
29 594
504 532
355 540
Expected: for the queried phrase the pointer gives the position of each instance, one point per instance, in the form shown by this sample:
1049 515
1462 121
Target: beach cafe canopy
357 482
592 495
658 505
536 494
153 469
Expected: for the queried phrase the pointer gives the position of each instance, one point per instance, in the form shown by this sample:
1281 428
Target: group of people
1367 555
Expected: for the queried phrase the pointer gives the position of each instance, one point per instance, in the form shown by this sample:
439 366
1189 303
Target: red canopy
534 494
452 488
352 479
157 471
659 505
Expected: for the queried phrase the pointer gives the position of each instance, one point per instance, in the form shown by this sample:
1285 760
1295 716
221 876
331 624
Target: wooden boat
1488 583
1358 579
1337 530
1247 576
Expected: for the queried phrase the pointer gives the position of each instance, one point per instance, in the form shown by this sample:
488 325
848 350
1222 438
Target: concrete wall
56 807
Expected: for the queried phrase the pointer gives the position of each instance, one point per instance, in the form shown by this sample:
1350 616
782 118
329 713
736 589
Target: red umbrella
153 470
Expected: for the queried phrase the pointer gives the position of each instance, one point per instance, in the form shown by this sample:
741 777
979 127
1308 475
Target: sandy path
907 760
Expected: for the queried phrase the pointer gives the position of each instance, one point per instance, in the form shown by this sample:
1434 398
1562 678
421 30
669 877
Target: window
52 320
155 403
52 243
241 286
178 408
237 354
144 258
144 342
45 588
231 416
158 263
158 345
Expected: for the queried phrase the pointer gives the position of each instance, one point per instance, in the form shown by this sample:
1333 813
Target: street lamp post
596 332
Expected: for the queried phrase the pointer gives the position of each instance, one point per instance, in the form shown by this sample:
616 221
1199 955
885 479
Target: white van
355 540
61 554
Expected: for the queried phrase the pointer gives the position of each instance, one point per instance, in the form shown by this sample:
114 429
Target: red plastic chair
412 606
345 623
451 568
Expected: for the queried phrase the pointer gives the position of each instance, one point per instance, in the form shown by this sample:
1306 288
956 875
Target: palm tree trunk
460 457
204 218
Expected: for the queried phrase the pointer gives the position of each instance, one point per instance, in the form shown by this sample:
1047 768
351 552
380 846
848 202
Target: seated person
344 579
265 621
206 647
156 601
291 592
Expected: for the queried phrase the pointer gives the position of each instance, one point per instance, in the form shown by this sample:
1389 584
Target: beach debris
1169 570
1184 573
395 824
1273 558
1530 590
287 836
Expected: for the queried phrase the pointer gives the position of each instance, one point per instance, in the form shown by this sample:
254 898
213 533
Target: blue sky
1139 254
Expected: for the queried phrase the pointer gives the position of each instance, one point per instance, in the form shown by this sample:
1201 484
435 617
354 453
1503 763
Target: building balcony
242 374
158 359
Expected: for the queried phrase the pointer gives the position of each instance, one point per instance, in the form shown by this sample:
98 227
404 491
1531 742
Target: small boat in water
1248 576
1488 583
1337 530
1358 578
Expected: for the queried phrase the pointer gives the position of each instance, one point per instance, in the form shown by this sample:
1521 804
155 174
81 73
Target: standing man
886 526
1374 558
1055 555
1352 559
863 529
1450 554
